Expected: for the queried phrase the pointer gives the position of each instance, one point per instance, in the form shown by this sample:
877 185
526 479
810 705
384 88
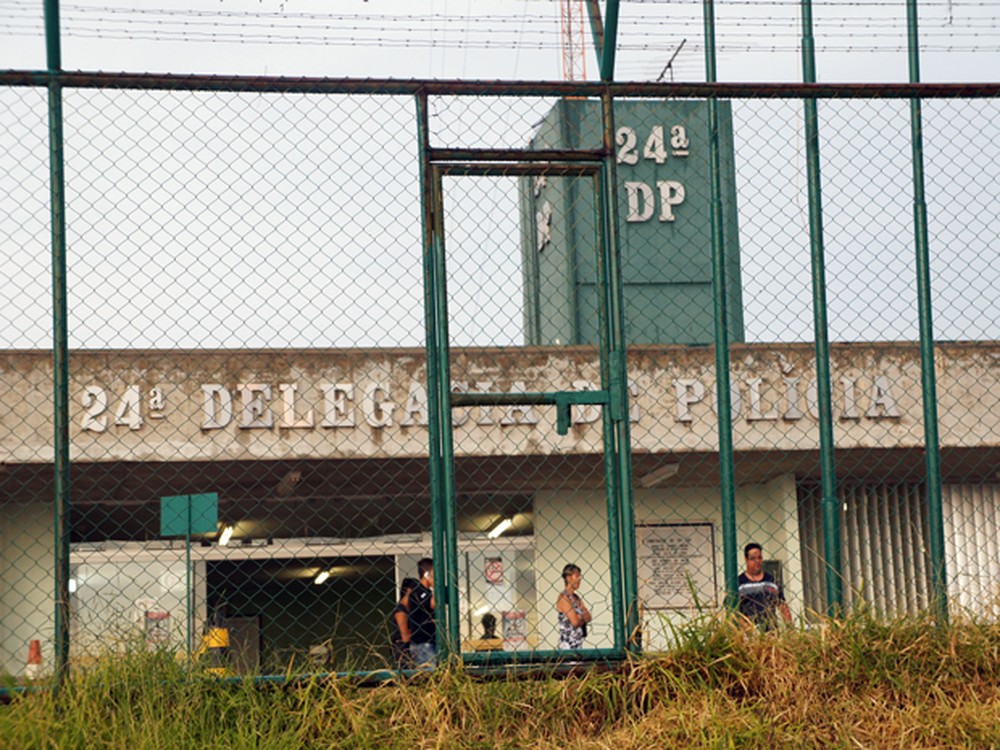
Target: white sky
502 39
266 220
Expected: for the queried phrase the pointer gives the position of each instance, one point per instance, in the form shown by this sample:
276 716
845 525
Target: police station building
285 494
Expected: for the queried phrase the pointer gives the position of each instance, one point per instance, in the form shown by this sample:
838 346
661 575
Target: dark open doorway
338 624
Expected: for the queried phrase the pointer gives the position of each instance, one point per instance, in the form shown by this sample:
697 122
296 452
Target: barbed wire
488 31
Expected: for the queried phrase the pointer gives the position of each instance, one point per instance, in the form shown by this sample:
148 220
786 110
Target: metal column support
605 35
610 41
441 451
935 520
60 342
831 508
614 376
727 480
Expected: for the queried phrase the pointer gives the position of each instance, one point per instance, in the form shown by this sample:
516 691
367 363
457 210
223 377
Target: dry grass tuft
855 682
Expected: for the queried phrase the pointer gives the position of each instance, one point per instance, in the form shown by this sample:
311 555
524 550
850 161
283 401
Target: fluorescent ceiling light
225 535
653 478
502 525
322 576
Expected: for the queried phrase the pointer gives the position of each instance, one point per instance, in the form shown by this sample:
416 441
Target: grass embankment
851 683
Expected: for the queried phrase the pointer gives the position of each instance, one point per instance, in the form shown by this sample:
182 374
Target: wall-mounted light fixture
658 476
321 577
287 485
225 535
502 525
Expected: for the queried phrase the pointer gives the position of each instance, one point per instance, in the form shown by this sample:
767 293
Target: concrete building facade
318 458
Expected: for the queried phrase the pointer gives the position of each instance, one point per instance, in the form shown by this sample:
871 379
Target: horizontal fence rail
265 84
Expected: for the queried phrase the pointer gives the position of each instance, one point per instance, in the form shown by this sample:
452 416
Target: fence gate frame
599 166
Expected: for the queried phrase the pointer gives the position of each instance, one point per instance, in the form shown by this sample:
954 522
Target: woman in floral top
572 612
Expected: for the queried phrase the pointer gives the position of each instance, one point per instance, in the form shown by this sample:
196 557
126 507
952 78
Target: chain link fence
256 272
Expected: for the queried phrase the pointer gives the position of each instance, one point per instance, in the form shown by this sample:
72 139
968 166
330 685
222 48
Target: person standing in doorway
399 624
423 630
572 613
760 596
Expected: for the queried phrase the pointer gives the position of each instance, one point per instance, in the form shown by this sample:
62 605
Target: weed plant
844 683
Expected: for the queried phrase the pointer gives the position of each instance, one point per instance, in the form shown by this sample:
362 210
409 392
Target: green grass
849 683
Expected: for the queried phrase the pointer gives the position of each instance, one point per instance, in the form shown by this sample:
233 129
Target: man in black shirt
760 595
423 630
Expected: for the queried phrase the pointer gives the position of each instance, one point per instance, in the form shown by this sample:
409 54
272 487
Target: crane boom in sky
574 53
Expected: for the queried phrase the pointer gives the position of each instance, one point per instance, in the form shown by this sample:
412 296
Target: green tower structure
664 211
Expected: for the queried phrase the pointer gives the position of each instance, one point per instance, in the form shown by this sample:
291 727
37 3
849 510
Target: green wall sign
183 515
664 213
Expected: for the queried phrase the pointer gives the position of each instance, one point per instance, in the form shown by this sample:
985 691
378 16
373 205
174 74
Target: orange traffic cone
34 668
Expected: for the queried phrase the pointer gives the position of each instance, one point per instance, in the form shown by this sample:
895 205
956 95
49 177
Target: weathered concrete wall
26 587
571 527
210 405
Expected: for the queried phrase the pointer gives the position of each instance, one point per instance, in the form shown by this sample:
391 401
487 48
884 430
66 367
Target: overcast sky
265 220
502 39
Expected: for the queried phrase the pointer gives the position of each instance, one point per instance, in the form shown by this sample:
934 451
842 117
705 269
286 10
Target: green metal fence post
614 367
727 480
440 444
188 608
446 591
935 520
60 341
619 356
609 42
831 508
596 28
434 426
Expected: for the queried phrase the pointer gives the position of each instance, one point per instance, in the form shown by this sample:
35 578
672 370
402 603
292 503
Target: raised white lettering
792 400
255 414
585 413
850 401
633 407
881 397
484 386
415 406
626 139
216 417
459 416
689 391
543 226
519 413
735 399
288 420
671 194
129 411
95 401
639 210
753 392
812 398
336 410
655 148
378 411
157 403
679 141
